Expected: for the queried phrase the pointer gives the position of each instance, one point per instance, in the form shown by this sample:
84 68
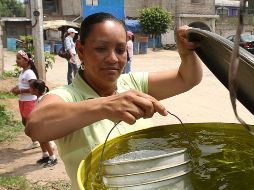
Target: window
50 6
92 2
222 11
196 1
234 12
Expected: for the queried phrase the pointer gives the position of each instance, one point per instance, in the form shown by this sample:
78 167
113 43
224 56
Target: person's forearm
56 120
22 90
69 50
191 69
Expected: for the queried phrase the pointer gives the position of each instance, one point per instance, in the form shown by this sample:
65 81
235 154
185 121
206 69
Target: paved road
207 102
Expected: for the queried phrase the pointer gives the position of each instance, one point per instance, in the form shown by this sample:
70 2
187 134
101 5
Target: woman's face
21 62
104 53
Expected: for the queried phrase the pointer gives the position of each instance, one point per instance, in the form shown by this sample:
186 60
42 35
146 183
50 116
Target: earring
82 66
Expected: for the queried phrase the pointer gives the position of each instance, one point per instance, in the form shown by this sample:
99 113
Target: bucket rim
182 150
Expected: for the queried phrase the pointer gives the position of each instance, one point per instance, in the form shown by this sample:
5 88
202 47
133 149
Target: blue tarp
133 25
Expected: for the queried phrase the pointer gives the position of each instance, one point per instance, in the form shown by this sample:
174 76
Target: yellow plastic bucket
229 134
81 175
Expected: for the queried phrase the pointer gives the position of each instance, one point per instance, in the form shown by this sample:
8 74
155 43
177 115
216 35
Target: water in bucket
222 157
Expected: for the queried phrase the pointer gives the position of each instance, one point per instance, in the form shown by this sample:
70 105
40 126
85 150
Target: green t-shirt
77 145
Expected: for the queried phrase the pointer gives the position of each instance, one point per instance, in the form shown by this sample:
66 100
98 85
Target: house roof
228 3
15 19
56 24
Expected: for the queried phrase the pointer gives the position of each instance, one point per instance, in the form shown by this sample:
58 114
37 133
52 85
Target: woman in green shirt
80 115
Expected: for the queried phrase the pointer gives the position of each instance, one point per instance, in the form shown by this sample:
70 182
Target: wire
102 152
98 176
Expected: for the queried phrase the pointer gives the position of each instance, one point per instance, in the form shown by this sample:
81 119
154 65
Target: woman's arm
53 118
169 83
16 90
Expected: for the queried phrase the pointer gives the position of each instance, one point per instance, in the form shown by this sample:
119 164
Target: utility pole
176 18
37 32
1 49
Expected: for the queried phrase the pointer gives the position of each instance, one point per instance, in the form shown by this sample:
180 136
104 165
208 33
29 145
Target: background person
70 47
81 115
130 37
38 88
26 99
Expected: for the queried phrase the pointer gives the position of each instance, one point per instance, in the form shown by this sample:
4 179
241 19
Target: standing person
26 99
38 88
81 115
70 47
130 38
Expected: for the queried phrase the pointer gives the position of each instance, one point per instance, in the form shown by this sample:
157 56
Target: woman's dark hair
32 65
88 22
39 85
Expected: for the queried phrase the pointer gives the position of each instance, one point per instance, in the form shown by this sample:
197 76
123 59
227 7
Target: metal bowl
144 160
146 176
179 181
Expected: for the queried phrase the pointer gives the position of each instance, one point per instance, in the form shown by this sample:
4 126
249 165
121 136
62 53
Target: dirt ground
207 102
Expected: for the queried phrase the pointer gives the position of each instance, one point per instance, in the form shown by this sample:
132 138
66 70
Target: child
26 99
38 88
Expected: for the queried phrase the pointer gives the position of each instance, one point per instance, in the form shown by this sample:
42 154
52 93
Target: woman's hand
132 105
184 47
15 90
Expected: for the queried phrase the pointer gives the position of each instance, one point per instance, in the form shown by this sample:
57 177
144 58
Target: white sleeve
67 43
30 75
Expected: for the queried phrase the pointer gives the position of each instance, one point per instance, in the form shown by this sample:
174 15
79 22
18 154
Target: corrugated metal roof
55 24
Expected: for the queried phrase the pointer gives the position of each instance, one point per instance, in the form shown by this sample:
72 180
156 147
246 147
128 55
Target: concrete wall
67 10
226 26
182 6
73 7
205 7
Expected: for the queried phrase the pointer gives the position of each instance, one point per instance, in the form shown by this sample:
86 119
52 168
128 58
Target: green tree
155 21
251 6
10 8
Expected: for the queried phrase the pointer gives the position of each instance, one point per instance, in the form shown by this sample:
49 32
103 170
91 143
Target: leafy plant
155 21
7 95
12 73
9 127
49 60
26 43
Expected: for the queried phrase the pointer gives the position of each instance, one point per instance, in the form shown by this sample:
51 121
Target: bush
155 21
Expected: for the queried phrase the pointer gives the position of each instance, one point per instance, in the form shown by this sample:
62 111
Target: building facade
227 22
115 7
